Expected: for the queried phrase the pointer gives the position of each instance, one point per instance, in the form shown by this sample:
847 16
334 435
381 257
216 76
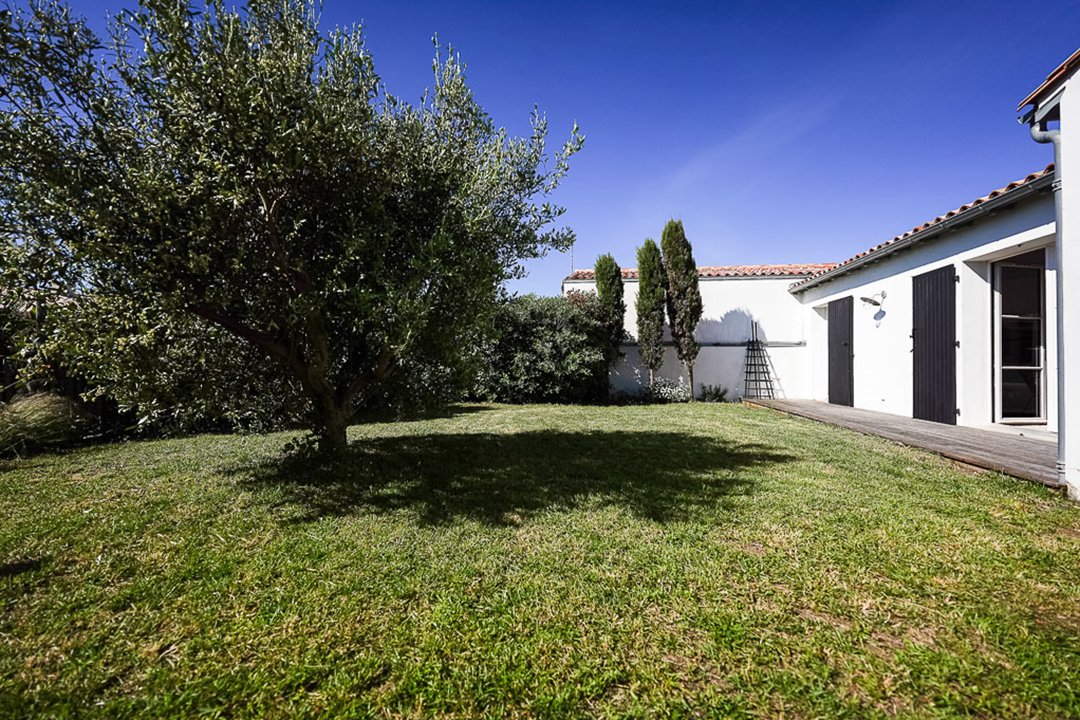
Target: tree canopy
244 169
683 296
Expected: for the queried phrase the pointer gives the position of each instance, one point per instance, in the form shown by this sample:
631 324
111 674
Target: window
1020 333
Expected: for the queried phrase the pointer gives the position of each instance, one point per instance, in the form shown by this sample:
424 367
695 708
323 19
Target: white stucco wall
730 305
882 336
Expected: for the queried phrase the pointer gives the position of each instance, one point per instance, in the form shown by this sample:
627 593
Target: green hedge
547 350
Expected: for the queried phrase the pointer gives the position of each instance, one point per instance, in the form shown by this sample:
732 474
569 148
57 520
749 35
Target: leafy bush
714 393
628 397
38 422
9 368
664 390
547 349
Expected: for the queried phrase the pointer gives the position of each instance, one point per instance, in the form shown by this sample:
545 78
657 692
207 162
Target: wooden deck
1022 457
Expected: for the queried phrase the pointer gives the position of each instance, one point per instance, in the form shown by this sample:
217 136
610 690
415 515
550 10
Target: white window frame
998 367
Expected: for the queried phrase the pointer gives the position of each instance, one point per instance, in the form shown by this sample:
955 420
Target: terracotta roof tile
1051 82
884 247
724 271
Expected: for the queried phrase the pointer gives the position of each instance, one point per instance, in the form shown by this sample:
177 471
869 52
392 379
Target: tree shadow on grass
502 479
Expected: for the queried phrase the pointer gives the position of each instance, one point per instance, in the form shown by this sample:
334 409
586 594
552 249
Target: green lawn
540 561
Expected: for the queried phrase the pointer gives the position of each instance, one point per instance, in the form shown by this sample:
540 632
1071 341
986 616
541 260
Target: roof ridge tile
722 271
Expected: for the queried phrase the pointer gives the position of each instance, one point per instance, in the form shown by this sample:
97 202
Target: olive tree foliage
609 292
649 306
170 374
241 169
683 296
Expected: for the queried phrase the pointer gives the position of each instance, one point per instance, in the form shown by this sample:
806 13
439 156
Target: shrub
664 390
628 397
547 349
714 393
38 422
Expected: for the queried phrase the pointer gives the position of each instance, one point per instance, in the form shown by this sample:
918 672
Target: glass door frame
998 338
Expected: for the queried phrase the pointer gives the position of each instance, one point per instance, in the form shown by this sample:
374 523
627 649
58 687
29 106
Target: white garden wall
730 306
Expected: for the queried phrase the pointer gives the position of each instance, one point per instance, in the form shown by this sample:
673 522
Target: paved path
1022 457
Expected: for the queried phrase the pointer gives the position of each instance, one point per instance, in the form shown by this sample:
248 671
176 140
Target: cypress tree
683 296
650 307
609 290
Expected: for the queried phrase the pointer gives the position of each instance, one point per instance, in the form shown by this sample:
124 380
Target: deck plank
1021 457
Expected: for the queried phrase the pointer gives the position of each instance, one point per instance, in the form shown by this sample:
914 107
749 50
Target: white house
956 321
947 322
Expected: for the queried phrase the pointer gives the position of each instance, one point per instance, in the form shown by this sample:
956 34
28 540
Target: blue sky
776 131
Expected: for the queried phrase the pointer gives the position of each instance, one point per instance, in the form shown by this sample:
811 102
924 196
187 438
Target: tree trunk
690 372
652 377
333 426
332 408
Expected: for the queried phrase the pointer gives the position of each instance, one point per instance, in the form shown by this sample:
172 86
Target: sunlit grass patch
536 560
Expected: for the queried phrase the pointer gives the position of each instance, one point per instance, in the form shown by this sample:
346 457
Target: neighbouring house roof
1050 84
729 271
996 199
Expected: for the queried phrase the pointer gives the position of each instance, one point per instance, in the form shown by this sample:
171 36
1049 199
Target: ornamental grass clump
37 422
714 393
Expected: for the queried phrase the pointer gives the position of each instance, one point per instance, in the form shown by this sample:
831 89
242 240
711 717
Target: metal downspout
1040 134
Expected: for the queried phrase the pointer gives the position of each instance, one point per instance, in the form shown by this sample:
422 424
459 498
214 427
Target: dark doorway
934 345
841 353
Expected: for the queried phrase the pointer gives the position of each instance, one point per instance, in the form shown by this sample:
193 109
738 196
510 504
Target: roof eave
796 277
1045 110
1001 201
1053 82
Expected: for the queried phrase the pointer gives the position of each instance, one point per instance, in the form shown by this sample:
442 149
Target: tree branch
273 347
384 368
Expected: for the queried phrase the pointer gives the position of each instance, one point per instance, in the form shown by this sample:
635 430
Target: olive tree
245 169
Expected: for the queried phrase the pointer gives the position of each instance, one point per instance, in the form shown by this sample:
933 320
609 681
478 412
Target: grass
540 561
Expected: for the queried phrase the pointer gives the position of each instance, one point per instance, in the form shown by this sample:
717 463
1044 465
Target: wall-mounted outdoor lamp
876 299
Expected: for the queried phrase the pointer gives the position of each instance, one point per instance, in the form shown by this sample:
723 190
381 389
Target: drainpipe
1040 134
